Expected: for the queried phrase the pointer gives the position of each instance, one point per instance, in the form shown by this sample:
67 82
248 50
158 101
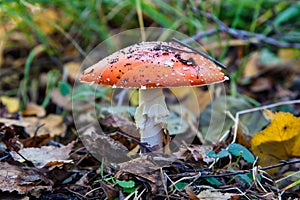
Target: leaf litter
41 155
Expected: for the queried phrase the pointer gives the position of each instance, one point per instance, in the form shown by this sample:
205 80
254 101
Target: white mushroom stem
151 116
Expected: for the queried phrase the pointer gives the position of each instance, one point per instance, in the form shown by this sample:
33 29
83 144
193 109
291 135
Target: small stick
200 52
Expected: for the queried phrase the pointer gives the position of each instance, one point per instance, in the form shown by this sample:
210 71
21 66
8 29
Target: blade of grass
52 79
24 87
140 18
155 14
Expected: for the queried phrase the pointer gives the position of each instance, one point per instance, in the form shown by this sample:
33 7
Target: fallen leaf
52 125
73 69
33 109
9 137
10 122
261 84
110 192
194 153
251 68
279 140
14 178
123 123
46 156
36 141
12 104
212 195
190 192
144 169
103 146
288 53
265 61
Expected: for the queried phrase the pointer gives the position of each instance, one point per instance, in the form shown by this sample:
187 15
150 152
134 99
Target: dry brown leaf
251 68
101 145
33 109
52 125
242 136
110 192
195 153
46 156
9 122
13 178
261 84
279 140
190 192
213 195
36 141
143 169
123 123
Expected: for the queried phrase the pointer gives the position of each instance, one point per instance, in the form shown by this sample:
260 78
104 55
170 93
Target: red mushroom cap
154 65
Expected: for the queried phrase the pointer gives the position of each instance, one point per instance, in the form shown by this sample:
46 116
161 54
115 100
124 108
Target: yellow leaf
12 104
279 140
288 53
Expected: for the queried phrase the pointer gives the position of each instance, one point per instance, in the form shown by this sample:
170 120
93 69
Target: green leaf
245 178
129 190
180 185
64 88
222 154
126 184
213 181
239 150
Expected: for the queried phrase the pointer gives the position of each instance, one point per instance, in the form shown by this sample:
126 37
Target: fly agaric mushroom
152 66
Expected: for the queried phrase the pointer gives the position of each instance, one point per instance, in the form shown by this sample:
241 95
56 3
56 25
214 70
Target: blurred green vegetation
64 27
90 22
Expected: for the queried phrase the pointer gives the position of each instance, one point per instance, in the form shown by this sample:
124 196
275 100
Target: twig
164 181
254 38
142 144
200 52
283 163
37 129
200 35
6 156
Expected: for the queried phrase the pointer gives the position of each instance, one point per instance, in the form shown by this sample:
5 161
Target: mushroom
150 67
